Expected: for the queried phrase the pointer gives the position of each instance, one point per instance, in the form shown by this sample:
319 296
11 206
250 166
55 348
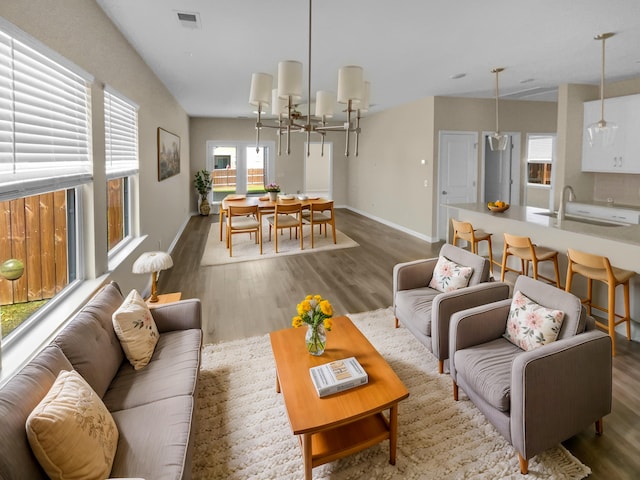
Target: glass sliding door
224 174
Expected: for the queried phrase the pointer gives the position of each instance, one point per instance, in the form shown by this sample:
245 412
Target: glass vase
316 339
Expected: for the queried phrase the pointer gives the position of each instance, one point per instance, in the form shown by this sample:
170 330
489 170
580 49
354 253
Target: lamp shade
350 83
363 105
290 79
150 262
325 102
260 92
278 105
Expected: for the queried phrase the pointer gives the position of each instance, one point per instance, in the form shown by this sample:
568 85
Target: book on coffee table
337 376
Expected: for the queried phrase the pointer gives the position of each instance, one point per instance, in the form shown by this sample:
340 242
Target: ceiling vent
189 19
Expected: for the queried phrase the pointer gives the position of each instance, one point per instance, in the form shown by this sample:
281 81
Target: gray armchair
537 398
426 312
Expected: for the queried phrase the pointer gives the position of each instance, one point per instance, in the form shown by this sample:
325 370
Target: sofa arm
476 326
181 315
446 304
415 274
558 390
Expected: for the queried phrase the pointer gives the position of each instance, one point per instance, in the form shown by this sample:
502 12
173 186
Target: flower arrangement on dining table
316 312
272 187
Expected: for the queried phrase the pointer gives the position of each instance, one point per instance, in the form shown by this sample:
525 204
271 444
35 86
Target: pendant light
602 133
497 140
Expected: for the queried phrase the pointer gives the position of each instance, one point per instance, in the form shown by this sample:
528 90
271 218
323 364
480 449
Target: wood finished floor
253 298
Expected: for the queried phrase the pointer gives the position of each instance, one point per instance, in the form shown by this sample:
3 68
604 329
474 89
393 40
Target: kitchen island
620 243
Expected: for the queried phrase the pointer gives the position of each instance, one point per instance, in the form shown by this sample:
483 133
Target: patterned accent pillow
136 330
449 276
530 325
71 432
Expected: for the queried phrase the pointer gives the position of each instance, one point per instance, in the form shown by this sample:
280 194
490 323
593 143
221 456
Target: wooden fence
226 177
34 230
115 212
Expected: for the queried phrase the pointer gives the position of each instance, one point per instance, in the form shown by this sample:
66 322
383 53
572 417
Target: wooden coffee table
344 423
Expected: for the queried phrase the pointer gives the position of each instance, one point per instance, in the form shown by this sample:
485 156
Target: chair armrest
476 326
559 389
446 304
181 315
415 274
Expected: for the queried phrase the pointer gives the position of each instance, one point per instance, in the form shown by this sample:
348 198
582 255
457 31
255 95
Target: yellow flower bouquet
316 312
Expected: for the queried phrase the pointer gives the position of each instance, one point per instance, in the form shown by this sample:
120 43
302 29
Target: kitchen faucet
563 201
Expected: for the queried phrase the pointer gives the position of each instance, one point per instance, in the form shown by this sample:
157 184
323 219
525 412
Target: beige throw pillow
71 432
136 330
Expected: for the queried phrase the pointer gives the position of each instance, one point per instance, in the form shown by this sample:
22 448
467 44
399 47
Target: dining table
265 205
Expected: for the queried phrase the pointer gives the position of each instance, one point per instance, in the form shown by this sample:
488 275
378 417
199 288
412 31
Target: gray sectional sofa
153 407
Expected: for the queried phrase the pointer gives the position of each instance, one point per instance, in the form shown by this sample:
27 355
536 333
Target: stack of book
338 376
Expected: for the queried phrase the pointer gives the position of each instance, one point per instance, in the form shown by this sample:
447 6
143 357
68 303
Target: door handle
444 192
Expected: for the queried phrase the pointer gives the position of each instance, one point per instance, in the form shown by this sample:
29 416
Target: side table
165 298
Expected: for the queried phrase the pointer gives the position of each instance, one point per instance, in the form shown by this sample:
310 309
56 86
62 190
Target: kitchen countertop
629 234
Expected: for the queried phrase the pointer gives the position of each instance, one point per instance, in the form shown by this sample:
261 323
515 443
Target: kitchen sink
588 221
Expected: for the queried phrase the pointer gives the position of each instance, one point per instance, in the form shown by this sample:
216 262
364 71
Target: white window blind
44 122
121 135
540 148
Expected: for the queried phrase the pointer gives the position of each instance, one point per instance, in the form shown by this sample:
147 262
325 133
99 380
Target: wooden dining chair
243 219
527 252
465 231
286 215
222 214
321 213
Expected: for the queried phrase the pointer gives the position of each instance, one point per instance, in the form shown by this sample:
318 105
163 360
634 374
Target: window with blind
44 159
540 153
121 153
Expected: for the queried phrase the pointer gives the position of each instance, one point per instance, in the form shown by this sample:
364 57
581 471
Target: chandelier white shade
498 141
602 133
353 92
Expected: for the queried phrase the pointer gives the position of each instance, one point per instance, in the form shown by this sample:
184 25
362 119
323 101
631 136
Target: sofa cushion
136 330
71 432
98 356
415 306
486 369
173 370
449 276
154 449
18 397
530 325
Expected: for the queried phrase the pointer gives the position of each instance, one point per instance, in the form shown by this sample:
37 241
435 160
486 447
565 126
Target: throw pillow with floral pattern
136 330
449 276
531 325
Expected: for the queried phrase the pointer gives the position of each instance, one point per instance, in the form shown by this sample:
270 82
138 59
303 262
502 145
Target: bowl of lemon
497 206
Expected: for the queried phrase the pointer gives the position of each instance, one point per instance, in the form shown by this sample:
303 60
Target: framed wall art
168 154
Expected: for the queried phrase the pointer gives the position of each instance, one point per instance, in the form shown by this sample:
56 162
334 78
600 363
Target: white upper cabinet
624 155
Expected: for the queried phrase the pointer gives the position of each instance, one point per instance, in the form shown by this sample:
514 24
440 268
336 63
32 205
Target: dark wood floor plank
253 298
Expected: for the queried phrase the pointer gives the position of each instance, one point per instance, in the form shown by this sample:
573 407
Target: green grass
13 315
232 189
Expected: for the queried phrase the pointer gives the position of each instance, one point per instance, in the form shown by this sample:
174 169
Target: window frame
535 158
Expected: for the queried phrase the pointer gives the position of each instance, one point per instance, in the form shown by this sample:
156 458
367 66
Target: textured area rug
243 429
245 248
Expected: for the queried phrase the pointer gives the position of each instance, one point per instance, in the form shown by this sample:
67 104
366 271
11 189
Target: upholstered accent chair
539 397
426 311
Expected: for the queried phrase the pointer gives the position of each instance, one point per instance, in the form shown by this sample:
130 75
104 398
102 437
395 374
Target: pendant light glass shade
602 134
498 141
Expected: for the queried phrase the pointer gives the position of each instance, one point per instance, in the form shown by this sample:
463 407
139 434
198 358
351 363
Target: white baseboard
392 225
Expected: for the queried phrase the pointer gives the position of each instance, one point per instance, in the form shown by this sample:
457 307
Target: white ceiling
409 49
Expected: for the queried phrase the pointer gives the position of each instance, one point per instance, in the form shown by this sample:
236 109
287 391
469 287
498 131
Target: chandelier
602 133
353 92
497 140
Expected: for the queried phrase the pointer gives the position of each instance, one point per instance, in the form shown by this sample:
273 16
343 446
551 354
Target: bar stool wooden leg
627 309
611 325
555 266
589 295
490 255
504 263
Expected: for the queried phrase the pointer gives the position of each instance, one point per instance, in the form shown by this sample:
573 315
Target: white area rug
243 429
245 248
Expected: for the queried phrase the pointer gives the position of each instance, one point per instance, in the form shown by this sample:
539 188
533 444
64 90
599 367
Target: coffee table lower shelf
338 442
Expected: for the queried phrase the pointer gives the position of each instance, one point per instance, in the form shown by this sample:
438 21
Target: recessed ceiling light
527 80
456 76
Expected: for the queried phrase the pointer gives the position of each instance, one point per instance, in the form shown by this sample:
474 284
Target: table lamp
152 262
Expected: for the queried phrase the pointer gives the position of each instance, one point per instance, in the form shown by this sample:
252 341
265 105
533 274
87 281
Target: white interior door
501 171
457 174
318 170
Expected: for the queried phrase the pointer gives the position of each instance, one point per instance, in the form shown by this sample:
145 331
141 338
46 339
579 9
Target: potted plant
203 184
272 189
